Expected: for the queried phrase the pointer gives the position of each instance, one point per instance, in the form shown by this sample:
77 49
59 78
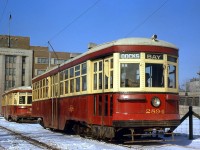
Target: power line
139 25
74 20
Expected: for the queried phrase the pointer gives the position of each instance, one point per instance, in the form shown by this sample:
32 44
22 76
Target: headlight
155 102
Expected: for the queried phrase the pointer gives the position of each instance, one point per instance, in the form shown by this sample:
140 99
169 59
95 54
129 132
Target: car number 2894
154 111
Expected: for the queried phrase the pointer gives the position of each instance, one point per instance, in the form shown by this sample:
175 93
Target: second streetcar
17 104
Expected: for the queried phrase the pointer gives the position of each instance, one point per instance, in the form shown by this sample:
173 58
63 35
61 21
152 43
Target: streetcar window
61 88
61 75
111 79
95 82
21 99
129 75
98 75
154 75
71 72
29 100
84 83
77 70
95 67
56 90
77 84
100 66
83 68
95 77
106 72
111 63
172 59
47 90
55 79
171 76
15 101
66 74
72 86
100 80
66 87
106 82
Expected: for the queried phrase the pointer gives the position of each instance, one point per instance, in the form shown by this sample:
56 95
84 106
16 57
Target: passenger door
103 109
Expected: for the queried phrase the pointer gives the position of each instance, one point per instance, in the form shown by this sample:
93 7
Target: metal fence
188 112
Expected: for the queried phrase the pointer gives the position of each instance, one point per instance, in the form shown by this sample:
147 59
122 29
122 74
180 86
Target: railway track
30 141
32 136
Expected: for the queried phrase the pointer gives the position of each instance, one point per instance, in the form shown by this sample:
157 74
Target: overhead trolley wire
75 19
147 18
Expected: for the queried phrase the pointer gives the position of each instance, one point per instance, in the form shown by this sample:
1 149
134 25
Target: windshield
129 75
154 75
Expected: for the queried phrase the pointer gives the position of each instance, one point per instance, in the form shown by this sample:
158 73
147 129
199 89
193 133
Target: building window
23 59
43 60
39 72
58 61
10 71
23 71
10 59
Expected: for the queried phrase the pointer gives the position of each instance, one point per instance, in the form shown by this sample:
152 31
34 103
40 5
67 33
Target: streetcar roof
18 88
144 41
123 41
136 41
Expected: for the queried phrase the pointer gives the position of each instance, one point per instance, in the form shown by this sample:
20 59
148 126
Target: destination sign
130 56
154 56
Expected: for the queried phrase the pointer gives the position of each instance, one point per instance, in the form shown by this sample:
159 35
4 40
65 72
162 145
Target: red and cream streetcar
17 104
127 86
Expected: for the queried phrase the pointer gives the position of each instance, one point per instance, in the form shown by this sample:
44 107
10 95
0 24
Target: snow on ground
73 142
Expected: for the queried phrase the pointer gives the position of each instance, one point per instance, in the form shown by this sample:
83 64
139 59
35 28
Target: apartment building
20 62
44 59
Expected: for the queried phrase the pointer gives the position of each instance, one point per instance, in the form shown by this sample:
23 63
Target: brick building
20 62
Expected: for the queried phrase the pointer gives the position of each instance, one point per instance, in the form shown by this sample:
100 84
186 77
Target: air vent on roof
91 45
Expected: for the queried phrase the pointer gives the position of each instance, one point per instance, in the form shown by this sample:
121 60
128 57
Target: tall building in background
44 59
20 62
16 59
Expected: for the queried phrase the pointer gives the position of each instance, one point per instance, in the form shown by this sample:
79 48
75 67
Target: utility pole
10 18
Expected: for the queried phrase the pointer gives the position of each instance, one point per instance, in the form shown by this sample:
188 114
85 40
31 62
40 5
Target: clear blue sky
70 25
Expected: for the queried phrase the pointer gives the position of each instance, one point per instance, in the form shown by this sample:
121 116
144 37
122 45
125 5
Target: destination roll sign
130 56
154 56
